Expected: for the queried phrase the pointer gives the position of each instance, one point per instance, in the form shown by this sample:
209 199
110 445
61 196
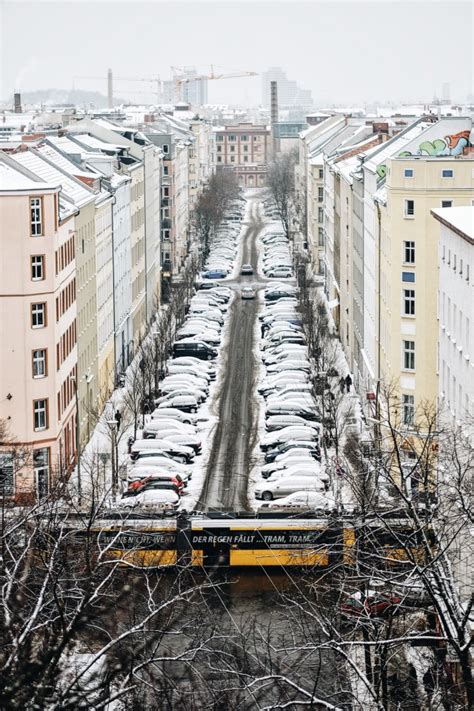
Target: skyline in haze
352 52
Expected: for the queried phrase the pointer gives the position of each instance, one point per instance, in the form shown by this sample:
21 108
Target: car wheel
267 496
209 356
194 409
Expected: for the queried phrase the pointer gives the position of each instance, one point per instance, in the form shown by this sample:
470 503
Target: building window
7 483
409 355
232 149
39 363
219 159
408 404
320 194
255 138
232 159
409 302
409 208
320 237
220 138
408 173
409 252
447 173
166 148
320 214
40 414
245 149
244 138
231 137
408 276
36 217
166 234
246 159
41 467
38 315
467 272
219 149
321 173
166 170
37 267
166 192
446 203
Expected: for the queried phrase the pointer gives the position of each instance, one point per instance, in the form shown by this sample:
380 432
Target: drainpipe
114 315
379 261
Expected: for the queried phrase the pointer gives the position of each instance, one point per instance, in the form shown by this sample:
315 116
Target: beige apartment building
38 358
137 240
408 269
245 148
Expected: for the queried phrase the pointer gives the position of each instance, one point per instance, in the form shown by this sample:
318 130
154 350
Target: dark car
207 285
215 274
312 447
198 349
276 294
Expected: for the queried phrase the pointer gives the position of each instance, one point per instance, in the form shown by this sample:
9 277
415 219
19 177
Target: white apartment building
456 312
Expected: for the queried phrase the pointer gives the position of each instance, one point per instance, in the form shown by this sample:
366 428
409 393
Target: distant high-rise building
446 92
289 93
193 92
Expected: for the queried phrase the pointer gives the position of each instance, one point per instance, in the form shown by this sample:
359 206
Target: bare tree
281 185
212 204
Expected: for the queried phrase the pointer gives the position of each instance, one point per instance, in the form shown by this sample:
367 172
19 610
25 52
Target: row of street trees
214 201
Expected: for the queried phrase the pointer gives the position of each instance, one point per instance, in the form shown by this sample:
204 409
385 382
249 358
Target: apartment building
38 310
407 259
82 198
244 148
141 160
456 312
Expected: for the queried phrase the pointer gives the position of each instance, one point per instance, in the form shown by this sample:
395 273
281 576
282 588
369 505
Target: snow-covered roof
96 144
460 219
76 191
64 163
14 180
379 154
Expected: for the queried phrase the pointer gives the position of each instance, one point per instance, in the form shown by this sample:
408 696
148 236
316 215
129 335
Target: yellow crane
179 78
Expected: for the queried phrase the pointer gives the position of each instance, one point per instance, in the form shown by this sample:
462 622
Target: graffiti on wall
452 145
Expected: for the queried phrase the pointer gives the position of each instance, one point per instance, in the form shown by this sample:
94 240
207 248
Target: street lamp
78 442
113 424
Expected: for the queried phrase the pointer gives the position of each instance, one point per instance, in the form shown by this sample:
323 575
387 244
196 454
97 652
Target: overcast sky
346 52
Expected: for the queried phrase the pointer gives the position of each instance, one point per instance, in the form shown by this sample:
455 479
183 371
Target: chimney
274 114
110 90
17 103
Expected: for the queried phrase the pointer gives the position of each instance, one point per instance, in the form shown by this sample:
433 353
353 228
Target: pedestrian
130 441
262 329
348 382
118 418
342 384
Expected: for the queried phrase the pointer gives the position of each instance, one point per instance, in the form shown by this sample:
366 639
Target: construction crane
179 79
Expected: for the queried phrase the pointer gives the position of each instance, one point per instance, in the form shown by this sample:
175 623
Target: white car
301 500
277 422
196 362
297 468
294 457
180 369
198 394
172 413
154 465
188 403
289 364
183 379
159 499
283 357
292 432
279 488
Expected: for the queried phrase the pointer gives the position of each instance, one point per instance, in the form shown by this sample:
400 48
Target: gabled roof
78 193
13 180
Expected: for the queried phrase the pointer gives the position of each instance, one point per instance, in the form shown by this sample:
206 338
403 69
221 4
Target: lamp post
113 424
78 443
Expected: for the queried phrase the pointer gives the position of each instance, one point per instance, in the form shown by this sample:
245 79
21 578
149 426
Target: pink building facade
38 358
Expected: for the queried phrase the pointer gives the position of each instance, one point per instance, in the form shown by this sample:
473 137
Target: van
198 349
